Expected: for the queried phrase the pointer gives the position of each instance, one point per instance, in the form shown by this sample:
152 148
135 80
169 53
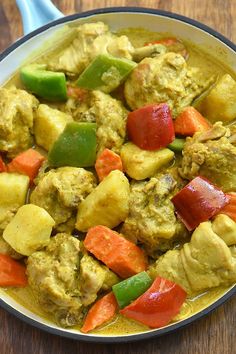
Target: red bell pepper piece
151 127
158 305
3 167
198 201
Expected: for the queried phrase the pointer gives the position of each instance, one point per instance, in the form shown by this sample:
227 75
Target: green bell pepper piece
177 145
76 146
130 289
46 84
105 73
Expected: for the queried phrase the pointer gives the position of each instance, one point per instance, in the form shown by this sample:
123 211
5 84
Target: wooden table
212 335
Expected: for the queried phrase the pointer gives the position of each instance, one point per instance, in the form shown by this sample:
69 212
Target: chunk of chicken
94 277
53 276
17 110
211 154
60 192
203 263
109 114
165 78
151 216
91 40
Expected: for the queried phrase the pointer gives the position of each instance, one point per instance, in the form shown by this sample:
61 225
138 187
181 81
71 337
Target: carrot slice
173 44
27 163
190 121
230 208
120 255
107 162
2 165
12 273
77 93
102 311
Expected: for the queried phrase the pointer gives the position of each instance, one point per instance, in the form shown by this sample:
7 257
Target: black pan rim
173 327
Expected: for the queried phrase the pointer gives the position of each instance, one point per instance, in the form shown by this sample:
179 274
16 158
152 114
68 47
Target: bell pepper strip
75 146
158 305
120 255
177 145
106 162
46 84
151 127
12 273
102 311
230 208
131 288
173 45
3 167
105 73
27 163
198 201
190 121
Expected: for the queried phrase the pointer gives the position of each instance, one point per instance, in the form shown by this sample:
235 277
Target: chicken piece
211 155
151 216
165 78
109 114
94 277
60 192
203 263
91 40
53 277
17 110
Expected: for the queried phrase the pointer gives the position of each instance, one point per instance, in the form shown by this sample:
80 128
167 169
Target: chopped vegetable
27 163
29 230
2 165
140 164
107 204
177 145
151 127
189 122
105 73
230 208
12 273
173 44
107 162
77 93
75 146
158 305
49 123
102 311
198 201
119 254
131 288
46 84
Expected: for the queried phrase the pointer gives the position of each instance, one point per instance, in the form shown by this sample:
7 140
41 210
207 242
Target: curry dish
118 181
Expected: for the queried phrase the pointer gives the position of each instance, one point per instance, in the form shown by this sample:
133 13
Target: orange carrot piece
189 122
174 45
3 167
77 92
27 163
12 273
120 255
102 311
107 162
164 41
230 208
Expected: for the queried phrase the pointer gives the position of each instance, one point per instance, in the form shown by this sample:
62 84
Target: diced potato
220 103
140 164
13 192
107 204
225 227
48 125
29 230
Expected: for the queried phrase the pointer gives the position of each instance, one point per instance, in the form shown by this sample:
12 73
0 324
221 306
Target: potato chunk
107 204
13 191
29 230
220 103
48 125
140 164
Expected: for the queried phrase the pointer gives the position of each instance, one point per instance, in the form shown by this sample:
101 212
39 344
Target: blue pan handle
36 13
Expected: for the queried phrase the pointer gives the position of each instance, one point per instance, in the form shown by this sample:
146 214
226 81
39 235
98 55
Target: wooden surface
212 335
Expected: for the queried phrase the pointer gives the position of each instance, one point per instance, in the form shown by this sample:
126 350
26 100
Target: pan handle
36 13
